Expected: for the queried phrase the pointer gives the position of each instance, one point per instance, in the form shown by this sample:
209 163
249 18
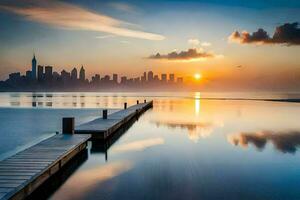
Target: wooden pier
24 172
103 128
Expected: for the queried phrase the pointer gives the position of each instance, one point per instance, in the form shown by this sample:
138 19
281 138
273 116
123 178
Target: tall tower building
82 74
48 73
74 74
40 73
115 78
33 67
150 76
171 78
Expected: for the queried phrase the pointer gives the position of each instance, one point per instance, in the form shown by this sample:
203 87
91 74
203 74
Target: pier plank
22 173
103 128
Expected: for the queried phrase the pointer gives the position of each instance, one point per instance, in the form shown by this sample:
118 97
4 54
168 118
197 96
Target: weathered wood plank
22 173
23 177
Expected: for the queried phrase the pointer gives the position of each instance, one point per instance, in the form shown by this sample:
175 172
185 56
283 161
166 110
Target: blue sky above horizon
145 28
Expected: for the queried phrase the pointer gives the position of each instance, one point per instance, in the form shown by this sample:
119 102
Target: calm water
184 148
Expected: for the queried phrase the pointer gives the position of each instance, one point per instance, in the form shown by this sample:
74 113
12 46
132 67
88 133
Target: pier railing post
145 101
125 105
68 125
137 102
104 114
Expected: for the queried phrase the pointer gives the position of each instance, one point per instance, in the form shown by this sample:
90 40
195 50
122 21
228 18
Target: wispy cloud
185 56
123 7
194 42
105 36
205 44
288 34
69 16
139 145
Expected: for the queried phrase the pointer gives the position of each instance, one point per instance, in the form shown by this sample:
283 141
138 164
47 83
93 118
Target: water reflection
138 145
196 130
87 180
286 142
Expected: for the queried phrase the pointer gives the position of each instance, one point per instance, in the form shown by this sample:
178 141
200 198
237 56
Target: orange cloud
68 16
288 33
189 55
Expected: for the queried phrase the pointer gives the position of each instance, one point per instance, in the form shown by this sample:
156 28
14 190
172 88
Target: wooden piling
125 105
104 114
68 124
137 102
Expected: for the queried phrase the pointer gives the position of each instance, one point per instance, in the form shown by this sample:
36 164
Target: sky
233 44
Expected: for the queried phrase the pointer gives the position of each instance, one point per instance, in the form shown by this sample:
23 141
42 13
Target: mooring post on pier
125 105
145 101
68 125
137 102
104 114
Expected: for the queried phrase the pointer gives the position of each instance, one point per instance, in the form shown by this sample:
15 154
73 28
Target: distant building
55 76
144 77
74 74
115 78
171 78
14 77
123 80
65 76
33 67
164 77
155 78
82 74
179 80
150 76
48 73
28 75
40 73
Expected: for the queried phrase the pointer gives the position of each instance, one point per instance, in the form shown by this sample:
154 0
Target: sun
197 76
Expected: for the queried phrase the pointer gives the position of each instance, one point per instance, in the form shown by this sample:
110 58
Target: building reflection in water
285 142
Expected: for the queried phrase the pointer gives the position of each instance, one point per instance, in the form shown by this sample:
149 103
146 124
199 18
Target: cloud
205 44
286 142
288 34
105 36
68 16
87 180
123 7
194 42
189 55
139 145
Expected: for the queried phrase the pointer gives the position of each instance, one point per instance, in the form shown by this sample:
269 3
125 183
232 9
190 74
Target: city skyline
41 78
233 45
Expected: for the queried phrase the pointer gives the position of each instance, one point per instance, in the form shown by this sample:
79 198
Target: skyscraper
115 78
74 75
171 78
164 77
150 76
33 67
48 73
82 74
40 73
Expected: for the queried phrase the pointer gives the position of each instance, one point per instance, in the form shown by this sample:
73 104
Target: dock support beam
125 105
68 124
104 114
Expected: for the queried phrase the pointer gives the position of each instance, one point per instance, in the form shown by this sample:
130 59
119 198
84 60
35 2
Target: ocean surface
189 146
